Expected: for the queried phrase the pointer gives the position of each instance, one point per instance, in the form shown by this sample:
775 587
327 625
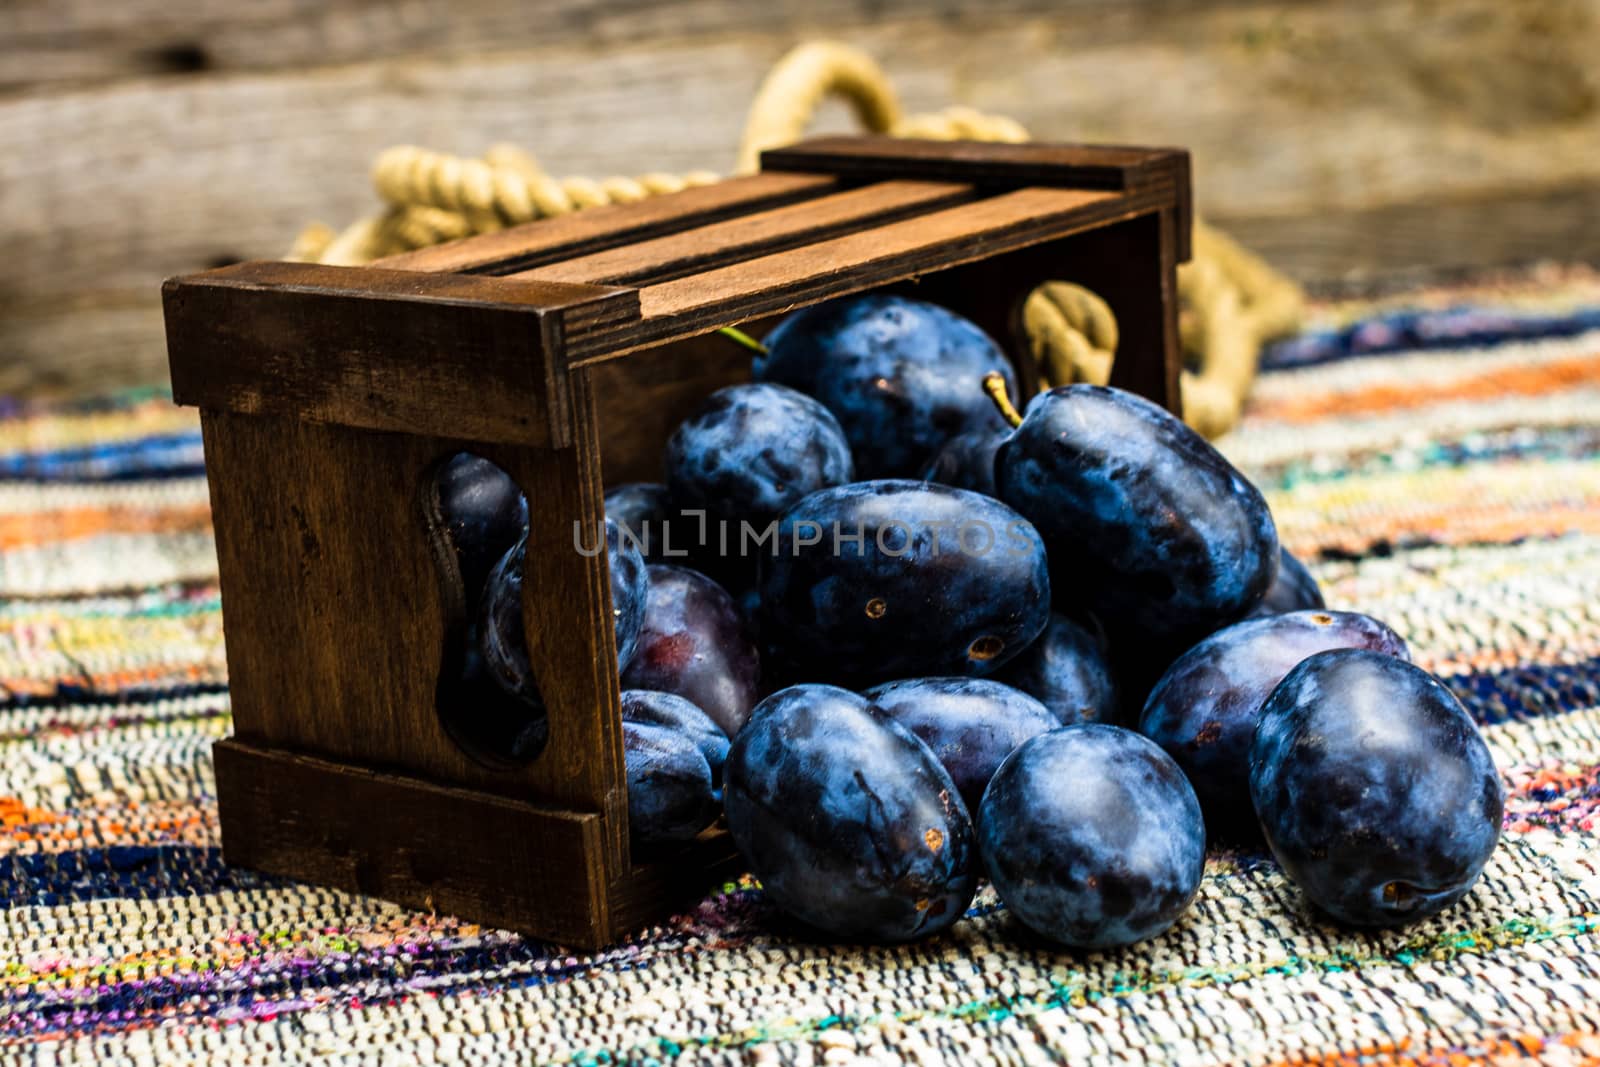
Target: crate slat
855 262
594 229
445 354
430 847
760 233
1118 168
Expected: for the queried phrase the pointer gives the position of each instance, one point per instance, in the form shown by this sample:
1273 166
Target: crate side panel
566 597
497 862
336 615
382 350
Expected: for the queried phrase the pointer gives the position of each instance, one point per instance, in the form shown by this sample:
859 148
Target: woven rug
1436 454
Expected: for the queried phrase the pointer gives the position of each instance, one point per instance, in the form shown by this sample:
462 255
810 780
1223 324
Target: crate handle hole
487 697
1070 331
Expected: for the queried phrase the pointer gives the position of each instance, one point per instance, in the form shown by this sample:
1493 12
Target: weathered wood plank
525 247
1433 237
75 41
1119 168
315 342
770 284
504 861
245 161
1298 117
755 234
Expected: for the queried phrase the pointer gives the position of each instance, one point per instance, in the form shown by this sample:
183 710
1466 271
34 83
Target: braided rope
1232 301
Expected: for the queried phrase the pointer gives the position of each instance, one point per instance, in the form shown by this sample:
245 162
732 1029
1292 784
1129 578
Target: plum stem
994 383
738 336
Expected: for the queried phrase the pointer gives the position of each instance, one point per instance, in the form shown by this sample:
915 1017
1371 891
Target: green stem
740 337
994 383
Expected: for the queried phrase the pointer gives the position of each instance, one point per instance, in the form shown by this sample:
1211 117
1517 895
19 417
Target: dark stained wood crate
565 351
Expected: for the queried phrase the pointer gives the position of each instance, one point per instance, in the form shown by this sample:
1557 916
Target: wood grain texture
855 262
1134 268
593 231
1117 168
748 236
76 41
336 621
1308 122
507 863
431 354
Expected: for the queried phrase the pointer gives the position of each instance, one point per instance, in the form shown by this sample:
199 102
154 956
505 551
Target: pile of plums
901 637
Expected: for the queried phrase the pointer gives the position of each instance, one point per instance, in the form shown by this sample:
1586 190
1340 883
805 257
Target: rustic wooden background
144 138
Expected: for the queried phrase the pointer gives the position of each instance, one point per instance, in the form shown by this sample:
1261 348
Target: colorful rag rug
1436 454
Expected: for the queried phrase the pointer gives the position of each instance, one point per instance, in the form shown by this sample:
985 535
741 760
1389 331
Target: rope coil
1232 301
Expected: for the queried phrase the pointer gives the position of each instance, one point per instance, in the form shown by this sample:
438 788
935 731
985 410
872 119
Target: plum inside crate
565 351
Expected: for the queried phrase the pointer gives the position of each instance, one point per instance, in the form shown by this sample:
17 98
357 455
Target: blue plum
967 461
1092 836
481 514
890 579
1066 669
749 601
693 643
1148 526
750 451
902 376
1374 788
970 724
502 637
681 716
646 513
671 794
847 819
632 504
488 721
1293 590
1203 711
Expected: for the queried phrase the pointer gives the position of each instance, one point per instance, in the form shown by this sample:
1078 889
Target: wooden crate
565 351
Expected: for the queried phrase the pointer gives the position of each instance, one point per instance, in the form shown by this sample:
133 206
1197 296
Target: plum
1203 711
693 643
681 716
1147 525
671 794
749 602
1294 589
847 819
487 720
650 521
970 724
1374 788
481 514
967 461
502 638
750 451
875 581
902 376
1067 671
1092 836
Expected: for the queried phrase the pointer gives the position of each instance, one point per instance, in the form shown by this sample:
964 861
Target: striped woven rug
1436 455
